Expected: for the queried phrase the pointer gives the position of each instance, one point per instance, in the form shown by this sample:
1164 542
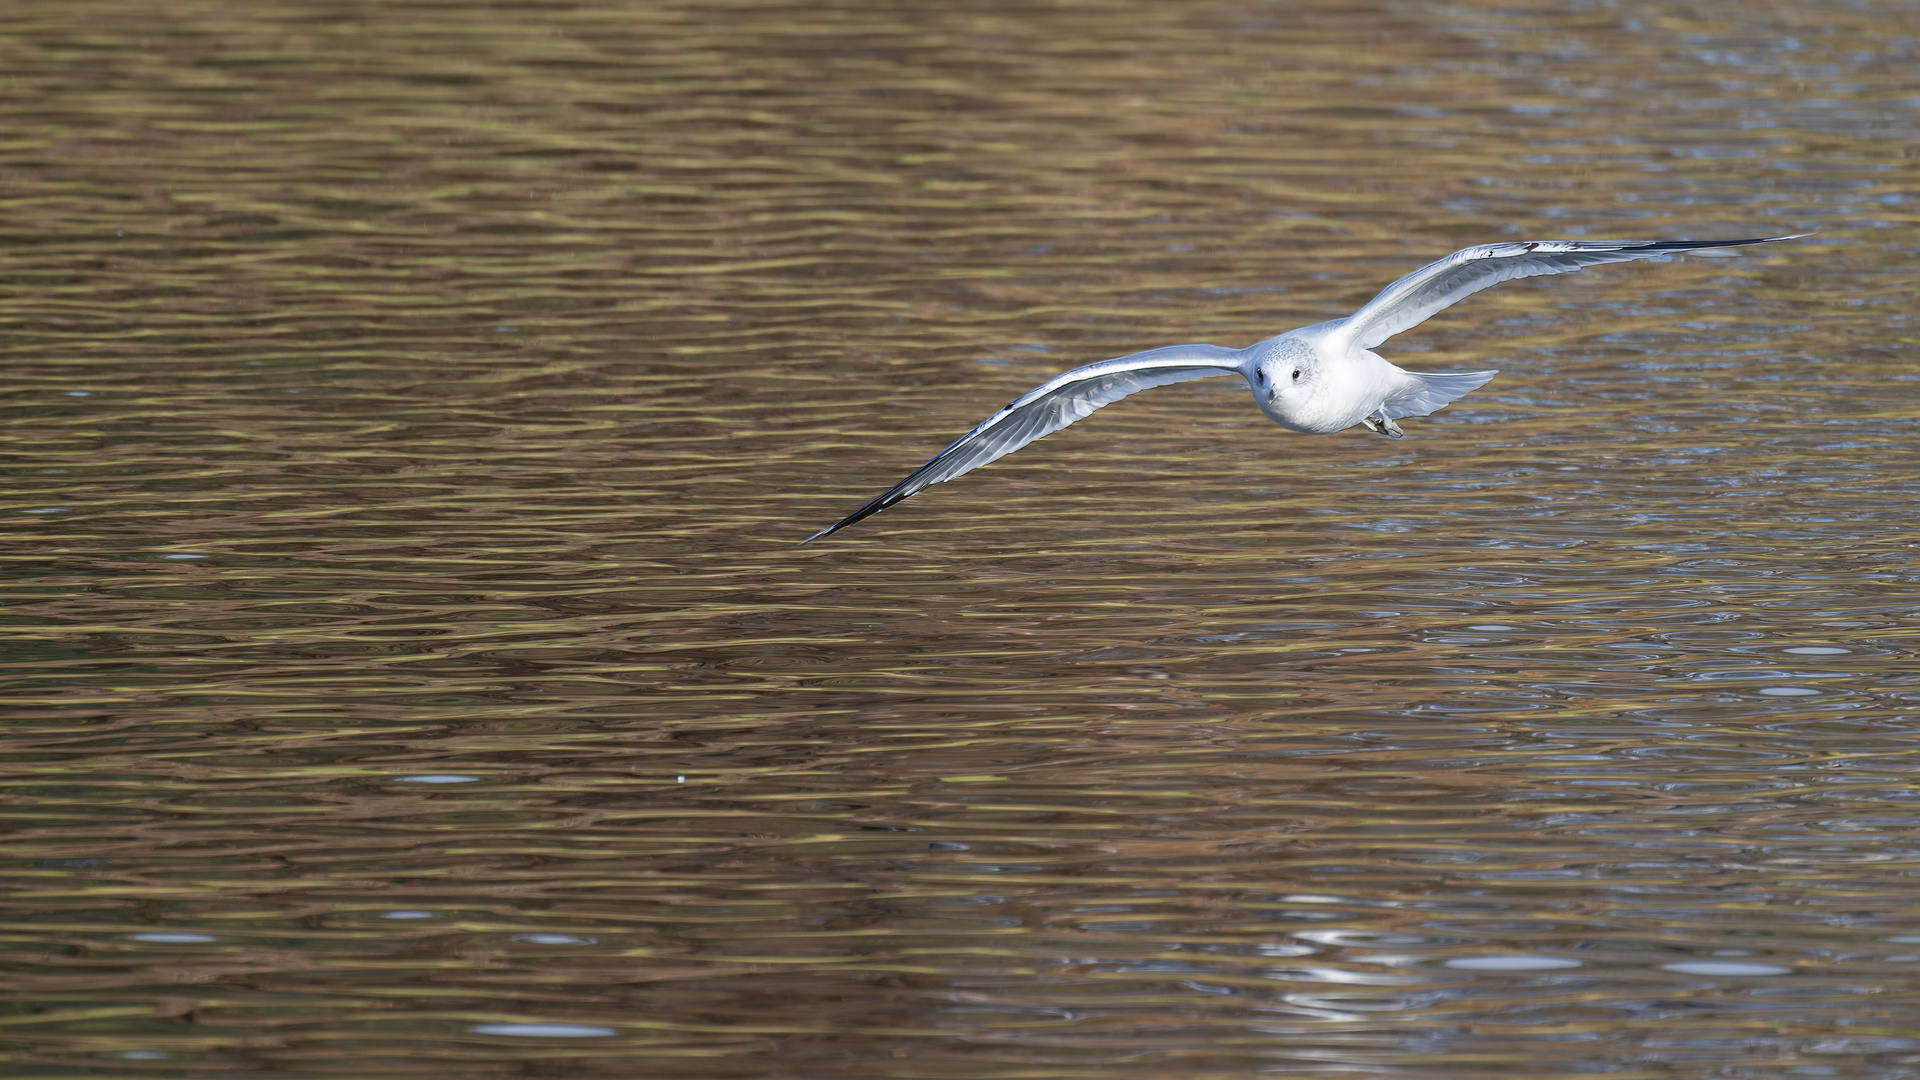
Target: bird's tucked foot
1381 425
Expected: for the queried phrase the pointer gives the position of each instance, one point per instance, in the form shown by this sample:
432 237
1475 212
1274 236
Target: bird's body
1315 380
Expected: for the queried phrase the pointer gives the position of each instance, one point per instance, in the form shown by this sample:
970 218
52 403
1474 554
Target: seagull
1315 380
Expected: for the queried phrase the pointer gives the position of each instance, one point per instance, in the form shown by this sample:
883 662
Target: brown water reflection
412 412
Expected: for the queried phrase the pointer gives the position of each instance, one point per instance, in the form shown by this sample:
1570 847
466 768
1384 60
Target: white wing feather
1051 406
1417 297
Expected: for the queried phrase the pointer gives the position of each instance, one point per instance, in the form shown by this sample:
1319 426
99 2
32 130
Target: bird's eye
1296 374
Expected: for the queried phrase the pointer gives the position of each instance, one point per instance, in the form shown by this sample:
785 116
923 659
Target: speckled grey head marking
1282 350
1283 361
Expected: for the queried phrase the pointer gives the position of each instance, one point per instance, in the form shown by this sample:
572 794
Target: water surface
412 413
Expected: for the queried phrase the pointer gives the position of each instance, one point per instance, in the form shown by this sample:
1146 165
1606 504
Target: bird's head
1286 375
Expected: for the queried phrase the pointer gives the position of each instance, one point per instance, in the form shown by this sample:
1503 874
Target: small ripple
1724 967
1510 963
545 1031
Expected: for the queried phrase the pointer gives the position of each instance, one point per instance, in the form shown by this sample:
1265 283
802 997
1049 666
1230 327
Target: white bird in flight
1316 380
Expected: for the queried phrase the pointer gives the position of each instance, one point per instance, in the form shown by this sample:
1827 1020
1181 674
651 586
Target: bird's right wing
1051 406
1417 297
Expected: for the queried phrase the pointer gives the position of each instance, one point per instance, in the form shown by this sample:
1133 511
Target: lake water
412 413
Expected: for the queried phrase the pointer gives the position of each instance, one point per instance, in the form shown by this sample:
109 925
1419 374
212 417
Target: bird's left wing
1051 406
1417 297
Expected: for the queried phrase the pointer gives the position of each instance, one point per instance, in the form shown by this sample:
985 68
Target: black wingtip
866 511
1697 245
833 528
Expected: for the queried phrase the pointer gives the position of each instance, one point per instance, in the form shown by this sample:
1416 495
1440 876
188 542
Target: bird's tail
1431 393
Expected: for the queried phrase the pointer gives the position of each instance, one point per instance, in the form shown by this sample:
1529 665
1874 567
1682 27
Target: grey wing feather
1415 298
1050 407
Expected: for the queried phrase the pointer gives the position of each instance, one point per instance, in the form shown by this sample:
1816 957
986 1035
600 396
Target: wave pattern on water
410 665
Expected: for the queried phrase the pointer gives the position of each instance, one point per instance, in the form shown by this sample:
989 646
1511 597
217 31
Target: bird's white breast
1339 383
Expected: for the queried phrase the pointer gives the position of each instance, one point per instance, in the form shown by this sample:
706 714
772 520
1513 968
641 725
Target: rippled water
412 413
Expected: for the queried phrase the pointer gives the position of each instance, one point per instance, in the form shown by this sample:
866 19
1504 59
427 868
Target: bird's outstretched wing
1415 298
1050 407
